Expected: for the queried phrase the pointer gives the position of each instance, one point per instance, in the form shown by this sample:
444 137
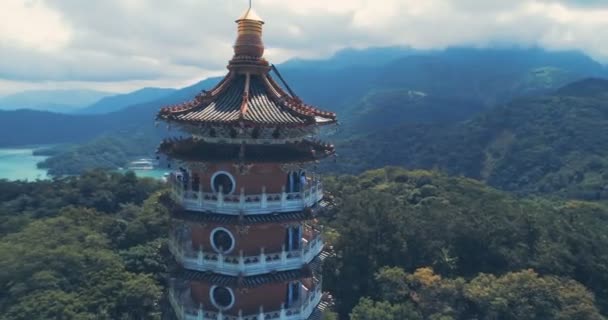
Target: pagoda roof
249 281
242 220
244 98
191 149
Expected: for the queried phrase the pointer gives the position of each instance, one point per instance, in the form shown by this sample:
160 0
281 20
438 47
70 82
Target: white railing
201 260
235 204
302 311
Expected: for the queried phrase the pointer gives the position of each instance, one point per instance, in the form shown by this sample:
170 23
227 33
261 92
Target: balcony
301 311
200 260
235 204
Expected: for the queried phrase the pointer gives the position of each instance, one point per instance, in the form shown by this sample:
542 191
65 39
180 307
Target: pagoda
245 196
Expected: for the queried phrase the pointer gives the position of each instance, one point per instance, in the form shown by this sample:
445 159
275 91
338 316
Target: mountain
417 88
490 76
121 101
51 100
385 108
456 83
24 127
345 58
555 143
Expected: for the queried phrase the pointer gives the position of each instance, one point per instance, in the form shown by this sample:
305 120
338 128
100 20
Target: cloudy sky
120 45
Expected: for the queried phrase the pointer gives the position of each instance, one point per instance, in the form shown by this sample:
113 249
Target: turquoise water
156 173
20 164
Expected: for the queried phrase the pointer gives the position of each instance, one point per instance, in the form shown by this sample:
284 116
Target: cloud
159 41
31 24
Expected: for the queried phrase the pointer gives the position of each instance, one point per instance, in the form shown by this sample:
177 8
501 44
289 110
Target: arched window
224 181
295 178
296 181
196 182
222 240
221 297
293 293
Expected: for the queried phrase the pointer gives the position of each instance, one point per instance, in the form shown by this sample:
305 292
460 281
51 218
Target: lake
20 164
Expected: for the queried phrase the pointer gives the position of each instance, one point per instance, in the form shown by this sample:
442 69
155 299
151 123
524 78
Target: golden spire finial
249 41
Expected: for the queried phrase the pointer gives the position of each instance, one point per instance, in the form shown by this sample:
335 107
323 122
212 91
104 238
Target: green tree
371 310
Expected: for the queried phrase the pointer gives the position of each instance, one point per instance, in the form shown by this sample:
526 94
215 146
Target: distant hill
23 127
594 87
51 100
417 88
555 143
370 57
121 101
490 76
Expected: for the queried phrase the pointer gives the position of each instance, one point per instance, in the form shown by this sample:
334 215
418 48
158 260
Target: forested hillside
461 250
81 248
408 245
106 152
549 144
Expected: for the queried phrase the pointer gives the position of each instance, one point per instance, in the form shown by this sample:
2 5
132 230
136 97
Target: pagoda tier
236 189
194 295
244 250
247 100
191 149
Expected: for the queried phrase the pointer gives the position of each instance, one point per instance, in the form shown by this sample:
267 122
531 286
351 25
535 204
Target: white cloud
33 25
119 43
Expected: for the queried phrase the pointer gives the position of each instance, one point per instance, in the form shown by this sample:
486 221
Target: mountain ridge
554 143
120 101
59 101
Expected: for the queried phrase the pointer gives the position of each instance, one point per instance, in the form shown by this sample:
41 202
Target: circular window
222 240
222 297
224 181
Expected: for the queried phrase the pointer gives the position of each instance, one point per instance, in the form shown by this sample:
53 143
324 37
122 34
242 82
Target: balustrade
201 260
235 204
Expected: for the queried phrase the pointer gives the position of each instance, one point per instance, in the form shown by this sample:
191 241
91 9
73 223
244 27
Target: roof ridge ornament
245 103
250 14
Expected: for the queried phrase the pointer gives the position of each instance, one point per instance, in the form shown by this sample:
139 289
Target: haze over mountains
63 101
405 105
117 102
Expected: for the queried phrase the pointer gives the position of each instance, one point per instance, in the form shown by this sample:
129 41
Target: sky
123 45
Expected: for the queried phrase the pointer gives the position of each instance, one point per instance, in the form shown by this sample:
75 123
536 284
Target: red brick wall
269 236
270 296
269 175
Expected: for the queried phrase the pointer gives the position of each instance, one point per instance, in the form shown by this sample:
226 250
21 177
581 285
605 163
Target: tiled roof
244 282
242 220
248 99
198 150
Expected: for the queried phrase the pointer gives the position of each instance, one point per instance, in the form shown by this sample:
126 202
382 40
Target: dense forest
105 152
81 248
421 245
407 244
